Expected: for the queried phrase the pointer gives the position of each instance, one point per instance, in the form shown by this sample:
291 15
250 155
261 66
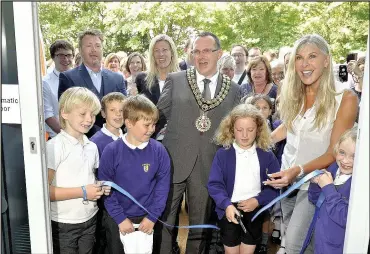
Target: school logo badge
146 167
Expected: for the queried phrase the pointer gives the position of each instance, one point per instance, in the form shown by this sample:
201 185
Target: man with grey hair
277 71
227 66
90 74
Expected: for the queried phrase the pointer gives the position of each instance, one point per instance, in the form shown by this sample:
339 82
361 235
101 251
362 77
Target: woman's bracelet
301 173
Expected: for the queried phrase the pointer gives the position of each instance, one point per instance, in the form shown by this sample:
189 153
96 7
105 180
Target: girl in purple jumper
237 173
335 186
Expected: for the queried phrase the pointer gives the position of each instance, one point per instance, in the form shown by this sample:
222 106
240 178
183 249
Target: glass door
25 221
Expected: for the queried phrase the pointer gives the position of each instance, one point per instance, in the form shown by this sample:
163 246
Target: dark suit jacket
153 94
183 141
183 66
79 76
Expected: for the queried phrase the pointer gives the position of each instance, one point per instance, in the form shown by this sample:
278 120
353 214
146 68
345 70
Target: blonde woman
238 190
314 117
162 60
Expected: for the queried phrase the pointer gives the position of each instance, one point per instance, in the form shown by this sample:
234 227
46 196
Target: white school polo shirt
110 134
247 182
74 164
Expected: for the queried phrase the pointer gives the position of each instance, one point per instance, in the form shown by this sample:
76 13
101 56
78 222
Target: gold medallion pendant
203 123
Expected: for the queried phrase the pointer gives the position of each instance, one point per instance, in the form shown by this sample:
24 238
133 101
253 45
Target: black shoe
176 248
261 249
275 239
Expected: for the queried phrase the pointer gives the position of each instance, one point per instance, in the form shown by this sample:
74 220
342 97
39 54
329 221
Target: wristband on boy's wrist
85 201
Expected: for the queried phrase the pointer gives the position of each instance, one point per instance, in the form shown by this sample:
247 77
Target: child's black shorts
233 235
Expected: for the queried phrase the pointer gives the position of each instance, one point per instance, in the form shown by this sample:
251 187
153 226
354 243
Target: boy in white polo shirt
72 161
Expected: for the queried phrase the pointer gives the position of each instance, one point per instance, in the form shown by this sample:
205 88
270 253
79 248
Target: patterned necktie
206 91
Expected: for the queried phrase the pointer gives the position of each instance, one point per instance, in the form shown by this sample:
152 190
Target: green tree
344 25
66 19
129 26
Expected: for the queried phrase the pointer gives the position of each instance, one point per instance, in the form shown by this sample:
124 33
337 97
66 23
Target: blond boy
72 160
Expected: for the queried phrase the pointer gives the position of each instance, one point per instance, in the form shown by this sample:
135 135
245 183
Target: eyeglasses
278 75
204 52
237 55
64 55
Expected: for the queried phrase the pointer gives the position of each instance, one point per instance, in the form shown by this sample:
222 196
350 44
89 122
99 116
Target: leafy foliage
129 26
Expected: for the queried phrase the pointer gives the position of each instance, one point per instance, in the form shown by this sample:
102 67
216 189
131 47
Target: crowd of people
226 131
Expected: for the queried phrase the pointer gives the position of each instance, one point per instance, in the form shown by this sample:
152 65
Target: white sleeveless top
305 143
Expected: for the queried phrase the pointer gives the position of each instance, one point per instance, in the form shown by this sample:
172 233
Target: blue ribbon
288 191
124 192
313 222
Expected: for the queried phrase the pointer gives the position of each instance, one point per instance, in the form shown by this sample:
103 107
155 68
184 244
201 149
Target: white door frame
31 106
357 230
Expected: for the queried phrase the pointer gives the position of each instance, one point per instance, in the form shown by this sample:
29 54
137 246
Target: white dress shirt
212 84
238 76
247 182
50 85
95 78
161 85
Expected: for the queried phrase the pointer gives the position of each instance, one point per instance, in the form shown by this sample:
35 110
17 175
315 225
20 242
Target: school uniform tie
206 91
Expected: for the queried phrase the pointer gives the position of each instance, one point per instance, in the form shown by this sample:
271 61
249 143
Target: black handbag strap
242 77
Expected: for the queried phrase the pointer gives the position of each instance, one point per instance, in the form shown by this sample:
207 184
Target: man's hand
248 205
146 226
126 227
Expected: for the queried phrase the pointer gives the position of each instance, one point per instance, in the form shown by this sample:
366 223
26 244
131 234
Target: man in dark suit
188 61
194 102
90 73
